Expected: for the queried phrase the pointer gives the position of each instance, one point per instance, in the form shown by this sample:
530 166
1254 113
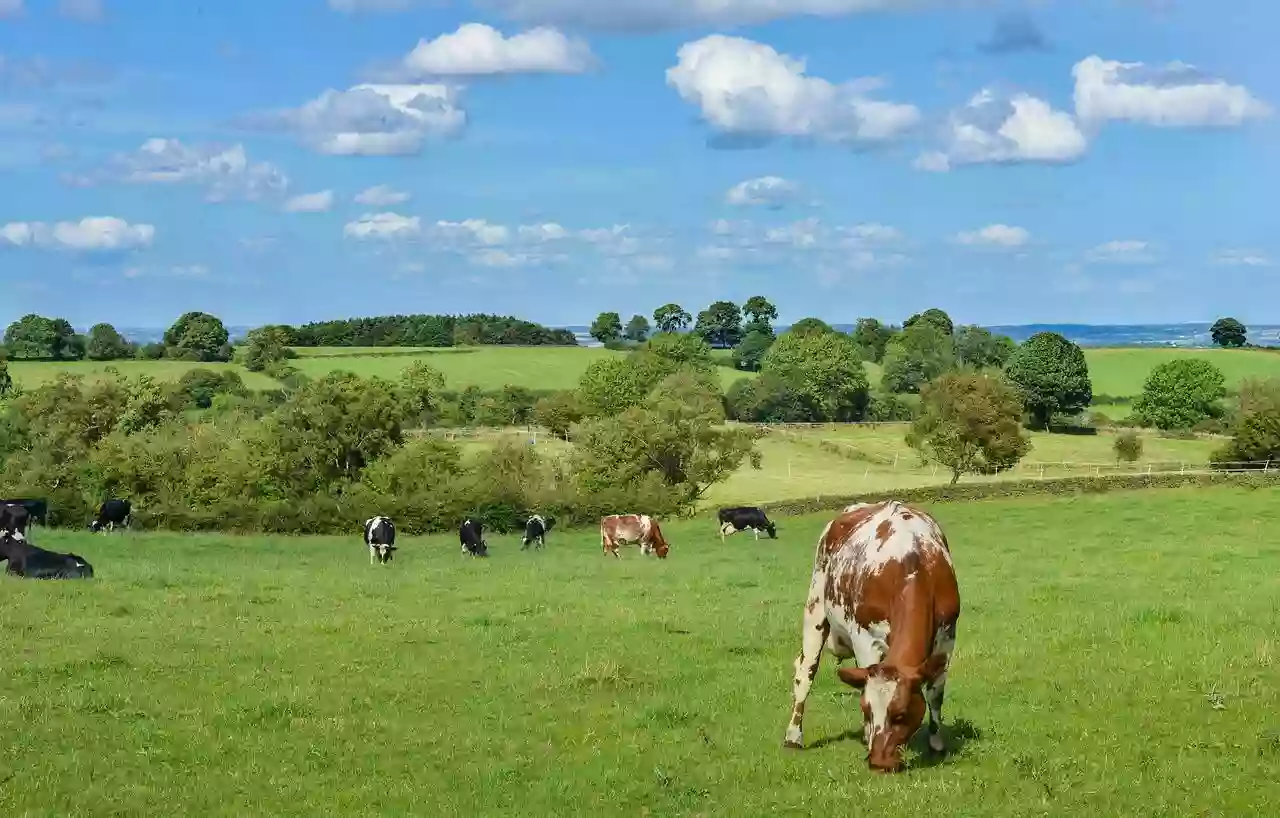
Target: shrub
825 370
970 424
1128 447
1179 394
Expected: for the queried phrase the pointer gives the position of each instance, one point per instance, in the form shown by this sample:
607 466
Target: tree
198 387
979 348
671 351
607 327
767 399
671 318
1228 332
749 354
1052 375
32 336
809 326
557 413
1180 393
612 385
720 324
69 345
916 356
1128 447
198 336
969 422
824 369
758 310
1255 431
871 338
265 346
420 386
6 380
105 344
933 316
637 329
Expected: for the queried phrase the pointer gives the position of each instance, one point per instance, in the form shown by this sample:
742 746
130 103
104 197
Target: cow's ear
930 669
855 676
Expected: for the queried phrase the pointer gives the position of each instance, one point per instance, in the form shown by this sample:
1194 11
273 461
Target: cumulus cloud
747 89
471 231
617 15
995 235
766 191
477 50
992 129
224 172
1242 258
370 119
1015 32
1175 95
85 11
1125 251
310 202
549 231
381 196
383 227
94 234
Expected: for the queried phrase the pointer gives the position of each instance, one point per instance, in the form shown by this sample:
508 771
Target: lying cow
380 536
471 535
535 531
733 520
111 514
624 529
31 562
884 592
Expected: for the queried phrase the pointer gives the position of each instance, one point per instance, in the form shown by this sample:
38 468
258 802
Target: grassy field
1122 372
31 374
1117 655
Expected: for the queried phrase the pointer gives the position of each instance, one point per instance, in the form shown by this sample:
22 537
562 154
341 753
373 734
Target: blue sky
1012 162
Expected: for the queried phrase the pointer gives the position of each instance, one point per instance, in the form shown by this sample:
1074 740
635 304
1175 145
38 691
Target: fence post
1041 471
895 462
1266 468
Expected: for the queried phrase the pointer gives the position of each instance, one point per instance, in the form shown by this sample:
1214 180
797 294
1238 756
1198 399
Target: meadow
1117 655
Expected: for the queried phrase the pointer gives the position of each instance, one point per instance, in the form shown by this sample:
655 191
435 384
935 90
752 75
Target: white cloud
803 233
310 202
766 191
225 173
472 231
1173 95
659 14
95 234
10 8
549 231
874 232
371 119
1242 258
1021 128
995 235
383 226
86 11
1126 251
477 50
748 89
381 196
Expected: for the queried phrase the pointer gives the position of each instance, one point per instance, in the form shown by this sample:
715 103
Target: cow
37 508
26 560
632 528
13 519
471 535
733 520
535 531
112 514
884 592
380 536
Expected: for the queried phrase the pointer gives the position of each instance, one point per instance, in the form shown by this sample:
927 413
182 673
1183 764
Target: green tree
32 336
607 327
824 369
759 311
669 351
1180 393
637 329
198 336
70 345
558 413
1052 375
1228 332
6 380
1128 447
197 388
106 344
934 316
979 348
720 324
420 387
671 318
969 423
809 326
265 346
1255 430
871 338
612 385
749 354
767 399
916 356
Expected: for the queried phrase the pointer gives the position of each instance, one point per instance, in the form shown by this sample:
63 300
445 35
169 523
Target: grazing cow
380 536
26 560
112 514
632 528
733 520
535 531
884 592
13 520
471 534
37 509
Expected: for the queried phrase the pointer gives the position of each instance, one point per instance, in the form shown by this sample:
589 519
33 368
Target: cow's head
773 530
893 706
385 552
660 544
547 522
95 525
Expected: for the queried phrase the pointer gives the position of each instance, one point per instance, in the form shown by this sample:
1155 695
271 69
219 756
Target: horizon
1101 163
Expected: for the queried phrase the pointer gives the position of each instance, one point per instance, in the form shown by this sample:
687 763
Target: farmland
284 676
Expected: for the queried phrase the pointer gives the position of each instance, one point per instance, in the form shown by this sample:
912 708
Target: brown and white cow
883 592
632 528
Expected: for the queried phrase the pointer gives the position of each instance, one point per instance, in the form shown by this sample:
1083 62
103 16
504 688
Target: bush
1128 447
1052 375
1179 394
970 424
824 370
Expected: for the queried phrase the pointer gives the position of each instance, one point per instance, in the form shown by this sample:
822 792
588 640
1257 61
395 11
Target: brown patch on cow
911 562
844 525
884 531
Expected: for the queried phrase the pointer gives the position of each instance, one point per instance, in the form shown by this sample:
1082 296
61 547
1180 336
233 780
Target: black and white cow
733 520
13 519
31 562
535 531
112 514
37 508
380 536
471 534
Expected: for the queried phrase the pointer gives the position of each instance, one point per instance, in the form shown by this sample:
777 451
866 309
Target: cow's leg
524 543
756 532
816 630
944 643
371 550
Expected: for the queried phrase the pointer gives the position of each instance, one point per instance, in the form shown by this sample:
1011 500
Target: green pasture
32 374
1117 655
1122 372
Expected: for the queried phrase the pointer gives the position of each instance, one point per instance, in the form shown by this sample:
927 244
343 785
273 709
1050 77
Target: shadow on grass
957 735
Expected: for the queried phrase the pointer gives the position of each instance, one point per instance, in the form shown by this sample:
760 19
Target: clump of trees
1255 427
969 423
1180 394
428 331
1228 332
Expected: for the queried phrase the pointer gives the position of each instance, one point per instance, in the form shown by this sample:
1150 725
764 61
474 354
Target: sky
1087 161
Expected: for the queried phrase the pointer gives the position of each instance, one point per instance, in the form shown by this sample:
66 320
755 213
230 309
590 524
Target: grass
1123 371
1117 655
32 374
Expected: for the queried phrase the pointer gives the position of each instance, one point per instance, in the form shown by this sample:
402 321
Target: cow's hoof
788 744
